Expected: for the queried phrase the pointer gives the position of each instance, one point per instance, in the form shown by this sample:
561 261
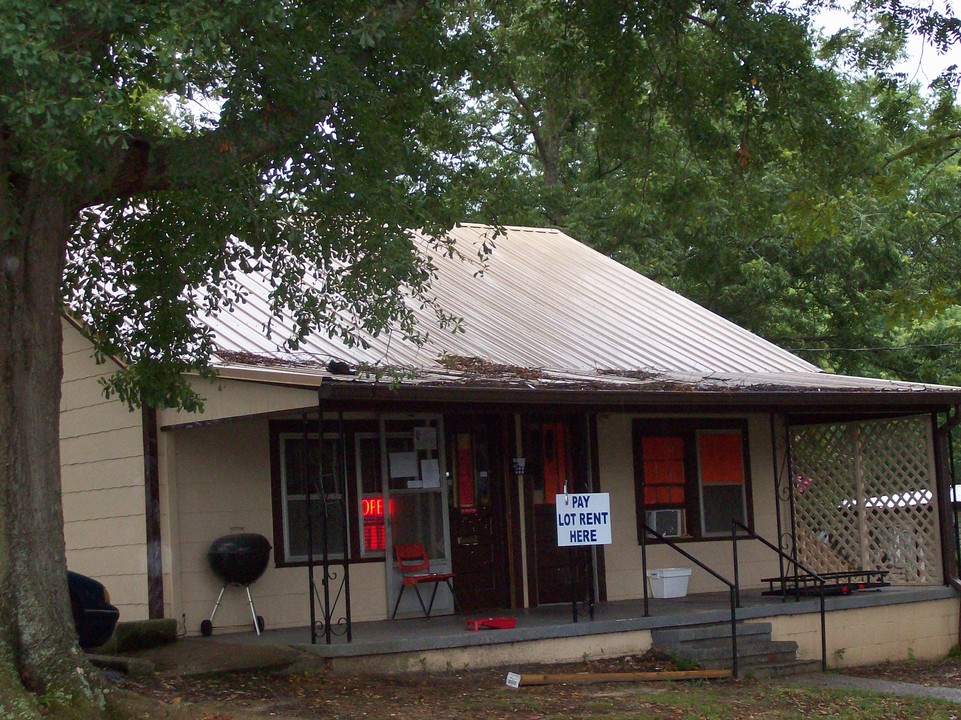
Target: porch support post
322 491
593 583
310 532
778 479
345 537
647 602
951 497
944 479
790 492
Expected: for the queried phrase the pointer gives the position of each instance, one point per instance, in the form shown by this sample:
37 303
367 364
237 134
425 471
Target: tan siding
103 474
101 449
81 392
107 504
73 340
111 562
222 483
233 398
100 446
120 532
89 421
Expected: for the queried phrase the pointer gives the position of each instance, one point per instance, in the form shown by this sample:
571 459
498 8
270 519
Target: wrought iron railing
799 568
732 586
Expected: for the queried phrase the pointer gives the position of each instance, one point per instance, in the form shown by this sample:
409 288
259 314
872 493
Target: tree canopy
801 189
150 149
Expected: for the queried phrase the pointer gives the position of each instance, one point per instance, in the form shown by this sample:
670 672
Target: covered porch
861 628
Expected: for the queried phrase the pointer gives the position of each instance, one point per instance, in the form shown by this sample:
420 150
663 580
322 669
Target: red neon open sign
372 507
372 510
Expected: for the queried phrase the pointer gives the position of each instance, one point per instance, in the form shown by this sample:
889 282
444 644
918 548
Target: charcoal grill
238 560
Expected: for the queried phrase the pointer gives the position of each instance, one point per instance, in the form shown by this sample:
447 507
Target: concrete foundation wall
866 636
510 655
858 636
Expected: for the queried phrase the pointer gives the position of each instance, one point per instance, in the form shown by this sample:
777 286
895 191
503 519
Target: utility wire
929 346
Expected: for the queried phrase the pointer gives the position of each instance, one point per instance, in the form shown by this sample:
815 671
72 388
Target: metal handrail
735 526
732 586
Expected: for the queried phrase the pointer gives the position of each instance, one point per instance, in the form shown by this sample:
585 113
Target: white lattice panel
864 498
823 468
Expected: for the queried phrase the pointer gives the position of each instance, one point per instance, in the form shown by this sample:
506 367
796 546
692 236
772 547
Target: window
370 489
663 459
693 473
720 462
412 458
298 473
471 485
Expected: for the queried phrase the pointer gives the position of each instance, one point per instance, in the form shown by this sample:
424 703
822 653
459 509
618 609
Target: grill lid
240 558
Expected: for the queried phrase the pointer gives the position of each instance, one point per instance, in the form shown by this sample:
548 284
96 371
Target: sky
923 64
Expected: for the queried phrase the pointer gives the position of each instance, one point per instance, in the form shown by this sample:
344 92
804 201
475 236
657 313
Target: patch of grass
683 663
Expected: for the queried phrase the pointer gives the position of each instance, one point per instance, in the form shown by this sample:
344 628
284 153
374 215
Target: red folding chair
414 565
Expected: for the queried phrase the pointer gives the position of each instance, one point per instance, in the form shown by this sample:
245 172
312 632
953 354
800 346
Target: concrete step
746 647
795 667
754 660
710 646
672 636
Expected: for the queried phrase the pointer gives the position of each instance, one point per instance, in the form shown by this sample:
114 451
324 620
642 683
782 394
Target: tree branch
923 145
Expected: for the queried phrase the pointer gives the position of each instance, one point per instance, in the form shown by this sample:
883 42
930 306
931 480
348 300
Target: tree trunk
42 671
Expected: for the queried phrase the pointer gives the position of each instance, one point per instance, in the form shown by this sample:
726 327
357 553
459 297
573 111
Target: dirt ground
484 695
931 673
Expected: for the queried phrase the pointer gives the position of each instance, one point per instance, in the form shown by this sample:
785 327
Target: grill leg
253 612
217 604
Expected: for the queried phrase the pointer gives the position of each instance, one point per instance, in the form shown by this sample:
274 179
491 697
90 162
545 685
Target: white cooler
669 582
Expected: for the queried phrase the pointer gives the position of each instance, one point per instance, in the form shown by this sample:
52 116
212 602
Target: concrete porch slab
548 633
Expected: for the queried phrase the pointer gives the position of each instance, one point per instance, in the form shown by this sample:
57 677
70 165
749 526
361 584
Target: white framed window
721 478
692 475
298 474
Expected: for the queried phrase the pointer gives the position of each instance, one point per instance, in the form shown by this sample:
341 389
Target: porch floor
556 621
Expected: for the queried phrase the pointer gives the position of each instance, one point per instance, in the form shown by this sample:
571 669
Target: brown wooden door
552 459
477 513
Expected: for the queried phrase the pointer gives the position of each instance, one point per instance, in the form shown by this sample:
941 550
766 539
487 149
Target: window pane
368 461
417 518
399 456
720 504
721 458
663 463
663 448
297 527
292 460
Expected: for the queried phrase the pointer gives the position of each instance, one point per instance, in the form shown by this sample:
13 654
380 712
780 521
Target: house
572 373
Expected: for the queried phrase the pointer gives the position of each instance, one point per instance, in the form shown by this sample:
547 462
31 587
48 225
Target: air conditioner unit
669 523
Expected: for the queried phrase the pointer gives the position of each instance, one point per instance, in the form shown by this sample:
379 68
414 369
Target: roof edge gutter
800 400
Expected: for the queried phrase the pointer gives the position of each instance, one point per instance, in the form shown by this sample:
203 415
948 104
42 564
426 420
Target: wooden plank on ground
601 677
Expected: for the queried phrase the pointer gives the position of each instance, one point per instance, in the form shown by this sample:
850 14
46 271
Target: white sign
430 472
584 519
513 680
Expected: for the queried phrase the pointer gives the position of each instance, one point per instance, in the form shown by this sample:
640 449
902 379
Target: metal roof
546 313
542 300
